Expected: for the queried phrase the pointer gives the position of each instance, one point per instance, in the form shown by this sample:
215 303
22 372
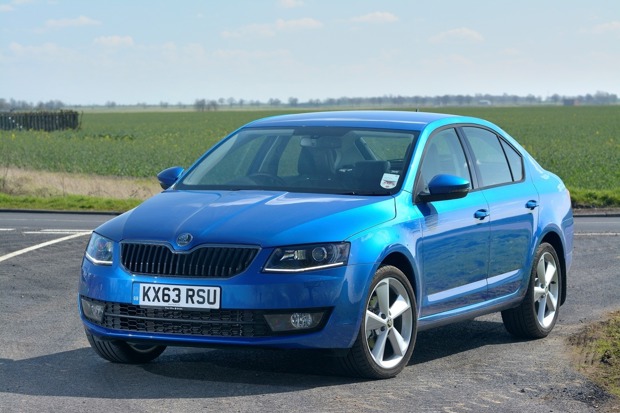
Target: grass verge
43 190
597 350
599 198
67 203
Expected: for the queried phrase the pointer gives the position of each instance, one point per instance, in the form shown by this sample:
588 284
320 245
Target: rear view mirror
321 142
169 176
443 187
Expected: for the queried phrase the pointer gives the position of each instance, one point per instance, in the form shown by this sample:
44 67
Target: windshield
308 159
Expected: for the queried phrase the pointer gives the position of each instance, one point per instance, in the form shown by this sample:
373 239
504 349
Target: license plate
176 296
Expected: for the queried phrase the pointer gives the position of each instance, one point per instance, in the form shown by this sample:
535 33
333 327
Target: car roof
360 118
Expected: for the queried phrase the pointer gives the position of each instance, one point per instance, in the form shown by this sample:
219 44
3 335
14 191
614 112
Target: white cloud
44 49
270 30
44 52
9 6
114 41
459 35
611 27
77 22
289 4
376 17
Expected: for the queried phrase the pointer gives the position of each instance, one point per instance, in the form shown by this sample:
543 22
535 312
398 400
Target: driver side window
444 155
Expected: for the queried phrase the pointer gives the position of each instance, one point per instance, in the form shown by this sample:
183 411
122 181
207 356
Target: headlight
99 250
300 258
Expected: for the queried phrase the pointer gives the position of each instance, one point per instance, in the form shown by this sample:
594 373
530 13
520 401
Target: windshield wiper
366 193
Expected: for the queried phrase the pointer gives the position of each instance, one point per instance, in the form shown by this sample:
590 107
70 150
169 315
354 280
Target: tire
538 312
119 351
388 329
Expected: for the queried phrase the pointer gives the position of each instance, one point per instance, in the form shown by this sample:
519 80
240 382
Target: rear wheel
119 351
388 330
538 312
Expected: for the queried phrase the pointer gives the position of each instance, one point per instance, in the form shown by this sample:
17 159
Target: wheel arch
554 239
402 262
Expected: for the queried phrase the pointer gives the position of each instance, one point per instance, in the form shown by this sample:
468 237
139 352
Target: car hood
249 217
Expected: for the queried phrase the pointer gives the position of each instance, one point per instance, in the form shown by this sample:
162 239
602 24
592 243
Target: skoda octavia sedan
347 231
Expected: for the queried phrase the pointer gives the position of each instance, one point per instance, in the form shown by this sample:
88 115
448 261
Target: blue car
348 231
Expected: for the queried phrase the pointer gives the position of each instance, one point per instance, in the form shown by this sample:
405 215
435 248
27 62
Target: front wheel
124 352
538 312
388 330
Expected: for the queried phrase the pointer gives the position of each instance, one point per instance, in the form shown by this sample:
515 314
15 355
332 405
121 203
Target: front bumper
245 301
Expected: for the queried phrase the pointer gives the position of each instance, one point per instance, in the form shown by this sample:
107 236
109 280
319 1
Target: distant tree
555 98
164 105
292 101
212 105
604 98
274 102
200 105
231 101
399 100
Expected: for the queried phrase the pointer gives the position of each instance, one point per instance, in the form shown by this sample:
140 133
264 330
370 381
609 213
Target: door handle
532 204
481 214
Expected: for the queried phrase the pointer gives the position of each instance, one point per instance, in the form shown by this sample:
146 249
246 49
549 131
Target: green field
581 144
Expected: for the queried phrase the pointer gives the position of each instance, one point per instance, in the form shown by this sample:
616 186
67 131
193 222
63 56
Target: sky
151 51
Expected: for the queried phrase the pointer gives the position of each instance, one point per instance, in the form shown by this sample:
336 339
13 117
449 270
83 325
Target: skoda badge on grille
184 239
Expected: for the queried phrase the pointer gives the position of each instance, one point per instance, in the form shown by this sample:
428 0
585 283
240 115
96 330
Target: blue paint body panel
460 265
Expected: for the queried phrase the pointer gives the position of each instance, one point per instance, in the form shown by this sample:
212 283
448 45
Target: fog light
92 310
301 320
293 321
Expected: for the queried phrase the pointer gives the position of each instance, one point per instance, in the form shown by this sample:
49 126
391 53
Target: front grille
211 323
208 261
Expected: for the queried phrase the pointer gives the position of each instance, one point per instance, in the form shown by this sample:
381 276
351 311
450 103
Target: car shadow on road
458 338
210 373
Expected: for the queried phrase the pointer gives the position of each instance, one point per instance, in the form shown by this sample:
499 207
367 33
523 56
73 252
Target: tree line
202 104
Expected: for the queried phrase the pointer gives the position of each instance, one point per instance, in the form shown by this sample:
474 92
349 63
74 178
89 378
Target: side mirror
169 176
443 187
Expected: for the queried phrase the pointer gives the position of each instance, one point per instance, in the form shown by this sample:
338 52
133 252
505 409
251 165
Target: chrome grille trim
204 261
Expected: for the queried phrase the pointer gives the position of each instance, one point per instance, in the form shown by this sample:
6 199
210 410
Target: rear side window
496 162
514 160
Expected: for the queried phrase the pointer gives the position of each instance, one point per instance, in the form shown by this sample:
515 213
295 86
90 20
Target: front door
455 233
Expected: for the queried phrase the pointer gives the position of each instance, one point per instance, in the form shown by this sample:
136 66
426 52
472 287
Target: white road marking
7 229
54 231
598 234
45 244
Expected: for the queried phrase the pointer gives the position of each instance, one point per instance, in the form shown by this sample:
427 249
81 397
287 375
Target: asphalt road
46 363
